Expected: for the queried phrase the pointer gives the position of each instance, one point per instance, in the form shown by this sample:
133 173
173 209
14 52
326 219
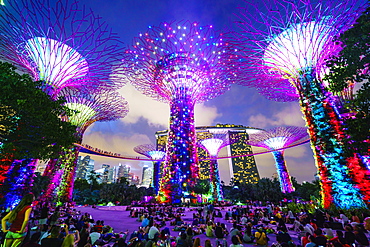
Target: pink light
57 63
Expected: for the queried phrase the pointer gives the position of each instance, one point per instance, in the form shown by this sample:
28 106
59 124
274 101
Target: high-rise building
147 176
243 169
122 171
85 165
105 174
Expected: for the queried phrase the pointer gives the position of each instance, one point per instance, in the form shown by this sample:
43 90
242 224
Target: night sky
240 105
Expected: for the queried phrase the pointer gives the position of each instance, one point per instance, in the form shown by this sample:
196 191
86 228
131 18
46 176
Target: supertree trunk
214 176
156 178
283 173
180 167
325 130
65 190
19 181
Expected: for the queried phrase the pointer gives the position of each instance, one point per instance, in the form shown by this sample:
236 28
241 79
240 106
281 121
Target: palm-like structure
287 52
213 146
150 151
276 140
60 43
88 108
181 64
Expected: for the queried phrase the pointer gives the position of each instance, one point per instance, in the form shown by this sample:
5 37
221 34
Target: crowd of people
32 224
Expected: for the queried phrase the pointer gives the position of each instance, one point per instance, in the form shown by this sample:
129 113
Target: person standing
18 218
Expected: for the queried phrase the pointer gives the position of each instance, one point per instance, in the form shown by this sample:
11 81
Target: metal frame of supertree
59 43
290 41
88 108
276 140
181 64
150 151
219 140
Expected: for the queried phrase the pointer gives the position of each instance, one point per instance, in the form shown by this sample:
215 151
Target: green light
84 113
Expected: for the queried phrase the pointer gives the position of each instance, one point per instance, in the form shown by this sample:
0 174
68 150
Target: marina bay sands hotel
242 168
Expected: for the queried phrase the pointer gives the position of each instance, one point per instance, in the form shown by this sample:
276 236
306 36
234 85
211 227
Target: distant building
147 175
133 179
122 171
243 169
85 165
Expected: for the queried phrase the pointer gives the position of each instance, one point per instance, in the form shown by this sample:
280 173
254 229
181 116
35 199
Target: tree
351 66
30 121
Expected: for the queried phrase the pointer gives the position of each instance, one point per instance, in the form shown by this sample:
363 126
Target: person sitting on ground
360 236
349 236
235 241
235 230
94 237
33 242
327 231
261 237
207 243
283 237
153 232
182 241
311 241
69 241
209 229
320 239
219 231
196 242
53 239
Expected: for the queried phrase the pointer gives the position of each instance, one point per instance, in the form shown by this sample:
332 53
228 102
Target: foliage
300 207
30 121
39 184
91 192
350 66
267 189
202 187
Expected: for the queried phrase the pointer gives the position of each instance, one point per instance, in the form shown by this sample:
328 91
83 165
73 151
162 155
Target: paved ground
119 219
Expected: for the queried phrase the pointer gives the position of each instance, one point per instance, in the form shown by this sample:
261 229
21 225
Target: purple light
181 64
290 47
278 138
57 63
61 43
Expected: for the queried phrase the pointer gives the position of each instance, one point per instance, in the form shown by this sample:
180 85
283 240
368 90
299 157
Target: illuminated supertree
280 138
59 43
181 64
213 146
88 108
150 151
290 44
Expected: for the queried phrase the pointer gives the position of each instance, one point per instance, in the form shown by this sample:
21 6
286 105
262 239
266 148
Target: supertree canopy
213 146
181 64
88 108
59 43
276 140
150 151
290 46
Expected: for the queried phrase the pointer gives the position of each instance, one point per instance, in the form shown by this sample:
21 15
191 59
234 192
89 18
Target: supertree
59 43
213 146
288 42
181 64
150 151
88 108
276 140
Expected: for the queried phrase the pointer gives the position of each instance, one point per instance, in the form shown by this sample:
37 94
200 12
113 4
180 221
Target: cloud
157 113
289 115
